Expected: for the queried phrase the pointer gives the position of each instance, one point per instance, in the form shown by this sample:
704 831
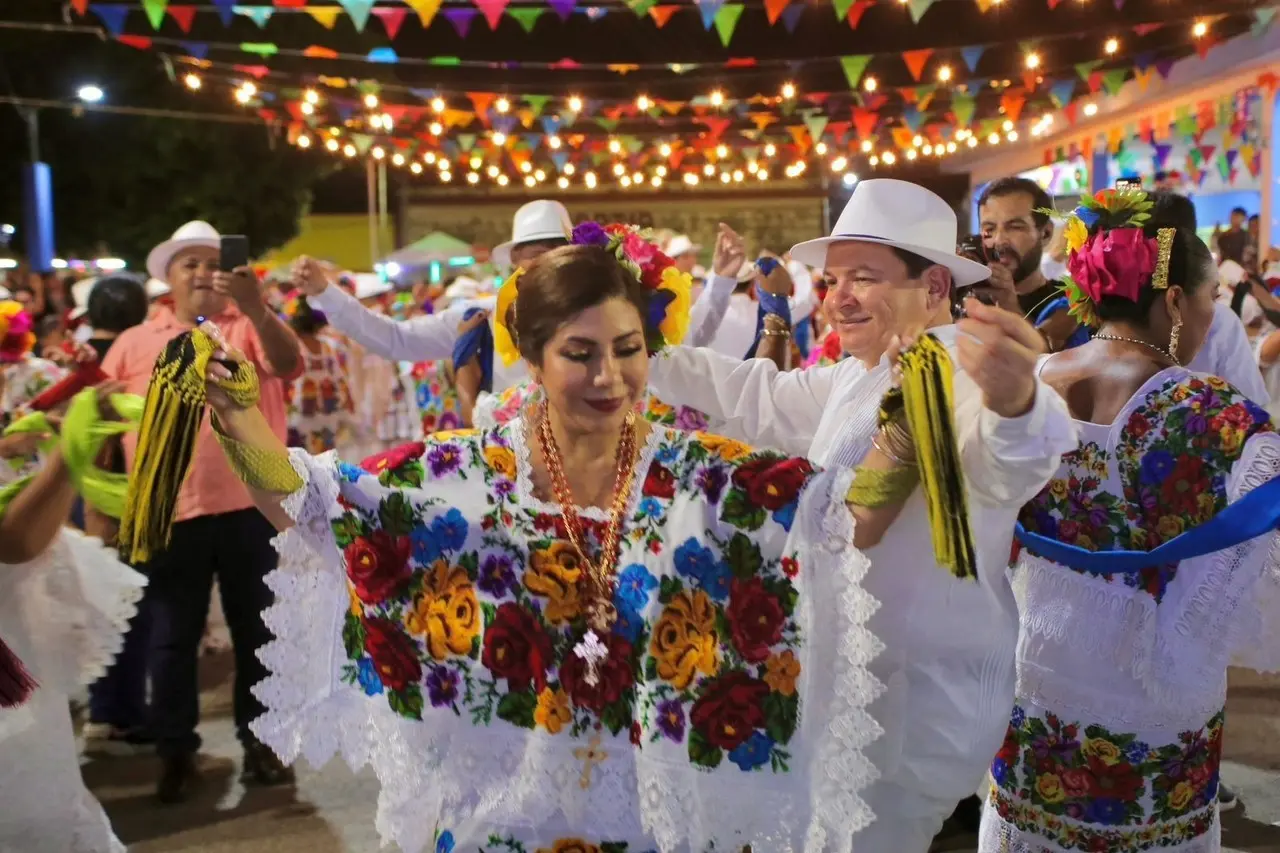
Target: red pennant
1095 81
662 14
81 7
1146 29
1012 101
565 64
1053 4
864 122
492 10
1203 46
140 42
289 4
717 126
183 16
257 72
838 129
266 114
391 17
772 8
1070 112
1268 81
740 62
1029 80
875 102
855 12
915 60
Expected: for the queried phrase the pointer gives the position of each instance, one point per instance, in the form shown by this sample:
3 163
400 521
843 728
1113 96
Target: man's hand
1000 288
999 350
21 444
311 276
730 253
475 320
243 287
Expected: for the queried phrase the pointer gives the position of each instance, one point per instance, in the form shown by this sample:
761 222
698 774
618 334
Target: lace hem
996 835
431 774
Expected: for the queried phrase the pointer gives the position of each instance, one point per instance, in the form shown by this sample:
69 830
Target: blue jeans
119 698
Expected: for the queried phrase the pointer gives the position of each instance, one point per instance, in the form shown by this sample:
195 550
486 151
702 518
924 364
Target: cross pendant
594 653
590 755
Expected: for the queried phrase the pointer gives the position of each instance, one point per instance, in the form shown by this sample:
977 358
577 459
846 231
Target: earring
1173 340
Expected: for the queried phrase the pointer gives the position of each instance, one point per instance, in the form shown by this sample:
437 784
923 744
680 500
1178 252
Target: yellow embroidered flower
1170 526
1181 796
502 460
1104 750
446 615
357 606
450 434
1085 541
554 573
726 448
675 322
657 408
552 712
1049 787
781 672
1076 234
1232 438
1206 504
684 639
1058 488
570 845
504 343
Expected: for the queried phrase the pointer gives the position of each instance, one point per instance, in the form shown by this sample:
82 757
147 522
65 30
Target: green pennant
537 103
526 16
1186 127
841 8
727 20
918 8
1085 69
924 93
265 49
155 11
447 61
607 123
963 105
466 141
1114 79
751 153
815 124
363 142
569 117
853 67
1224 166
641 7
633 144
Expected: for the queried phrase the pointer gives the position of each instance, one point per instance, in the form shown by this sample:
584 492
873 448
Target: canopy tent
436 247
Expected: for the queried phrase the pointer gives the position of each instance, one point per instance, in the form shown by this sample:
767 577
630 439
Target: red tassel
16 684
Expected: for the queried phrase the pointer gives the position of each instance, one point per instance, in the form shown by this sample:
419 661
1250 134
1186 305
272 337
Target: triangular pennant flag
183 16
391 17
607 123
662 14
481 101
315 51
924 95
466 141
461 19
962 106
912 118
224 8
640 7
1143 78
359 11
773 9
527 16
791 16
258 14
855 12
1114 79
155 11
1262 19
550 124
325 16
918 8
815 124
1053 4
727 20
492 10
1164 67
1084 69
264 49
384 55
426 10
841 8
1146 29
709 10
81 7
289 4
915 60
1012 102
800 136
1224 167
971 55
195 49
902 137
854 67
1062 91
985 5
563 8
538 103
112 15
864 122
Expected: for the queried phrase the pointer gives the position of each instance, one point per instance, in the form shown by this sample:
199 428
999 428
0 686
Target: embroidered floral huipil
1116 732
494 409
428 611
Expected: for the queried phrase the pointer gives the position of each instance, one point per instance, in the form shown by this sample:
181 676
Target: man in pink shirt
217 531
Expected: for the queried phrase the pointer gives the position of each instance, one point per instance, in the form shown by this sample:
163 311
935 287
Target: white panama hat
902 215
156 288
370 284
542 219
192 234
80 296
679 245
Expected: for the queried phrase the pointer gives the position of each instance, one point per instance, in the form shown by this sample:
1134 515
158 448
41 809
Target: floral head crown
17 337
296 302
669 306
1109 254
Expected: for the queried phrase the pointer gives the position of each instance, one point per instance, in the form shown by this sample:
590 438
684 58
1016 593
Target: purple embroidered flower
712 482
503 487
442 686
690 420
671 719
1075 810
496 575
589 234
444 458
1196 423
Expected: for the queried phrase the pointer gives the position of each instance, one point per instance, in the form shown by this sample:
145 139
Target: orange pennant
801 136
762 120
1012 102
82 7
915 60
670 107
315 51
985 5
662 14
1144 78
903 137
481 101
773 9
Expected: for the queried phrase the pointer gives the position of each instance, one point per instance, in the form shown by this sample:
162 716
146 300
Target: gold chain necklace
1164 352
600 611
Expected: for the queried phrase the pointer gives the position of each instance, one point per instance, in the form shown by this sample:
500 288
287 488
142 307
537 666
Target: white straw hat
192 234
538 220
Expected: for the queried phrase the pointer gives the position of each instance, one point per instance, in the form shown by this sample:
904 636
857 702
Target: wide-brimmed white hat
679 245
542 219
369 285
192 234
80 295
899 214
156 288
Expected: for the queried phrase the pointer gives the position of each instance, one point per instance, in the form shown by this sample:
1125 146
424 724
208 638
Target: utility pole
37 199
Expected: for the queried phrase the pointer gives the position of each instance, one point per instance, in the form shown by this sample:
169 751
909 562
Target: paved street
332 810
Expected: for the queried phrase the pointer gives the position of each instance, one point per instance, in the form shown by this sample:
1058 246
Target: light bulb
944 73
614 146
869 84
820 149
664 149
371 100
304 141
590 180
553 141
661 171
866 146
193 82
446 177
1091 109
332 144
709 170
569 169
1111 46
503 180
499 138
349 150
306 108
415 167
643 103
788 90
529 181
397 159
770 150
539 176
378 153
1200 30
1033 60
722 151
717 98
473 177
435 128
575 104
437 105
502 105
492 171
562 182
619 170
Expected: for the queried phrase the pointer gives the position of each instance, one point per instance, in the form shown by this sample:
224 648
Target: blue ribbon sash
476 342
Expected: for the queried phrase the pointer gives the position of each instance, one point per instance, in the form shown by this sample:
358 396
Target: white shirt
949 662
431 337
1226 352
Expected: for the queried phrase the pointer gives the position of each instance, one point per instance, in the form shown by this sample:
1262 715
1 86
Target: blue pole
37 215
1100 171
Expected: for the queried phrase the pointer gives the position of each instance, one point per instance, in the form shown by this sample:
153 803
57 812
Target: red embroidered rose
1139 425
755 619
613 676
730 710
659 483
1075 783
517 648
395 457
378 565
790 567
1115 781
771 483
1183 486
393 653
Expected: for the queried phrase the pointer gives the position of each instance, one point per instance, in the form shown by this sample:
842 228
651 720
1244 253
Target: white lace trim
996 835
1177 651
427 774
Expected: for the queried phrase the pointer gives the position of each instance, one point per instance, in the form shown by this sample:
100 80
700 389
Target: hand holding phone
233 252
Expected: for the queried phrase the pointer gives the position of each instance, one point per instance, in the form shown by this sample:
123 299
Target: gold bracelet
873 488
264 470
776 333
894 441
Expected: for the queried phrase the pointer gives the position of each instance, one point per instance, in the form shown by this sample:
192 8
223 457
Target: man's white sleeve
427 338
708 311
758 403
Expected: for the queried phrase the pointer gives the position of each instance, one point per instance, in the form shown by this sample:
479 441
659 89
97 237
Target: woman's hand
730 253
104 391
21 444
311 276
218 372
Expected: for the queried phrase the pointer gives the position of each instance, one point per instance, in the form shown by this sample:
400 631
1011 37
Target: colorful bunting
563 8
263 49
81 7
426 10
962 107
492 10
113 16
662 14
358 11
791 16
985 5
196 49
727 20
773 9
526 16
1012 102
325 16
916 60
815 123
1062 91
461 19
1114 79
260 15
1084 69
315 51
138 42
183 16
917 9
971 56
854 67
155 11
855 12
392 18
225 10
709 9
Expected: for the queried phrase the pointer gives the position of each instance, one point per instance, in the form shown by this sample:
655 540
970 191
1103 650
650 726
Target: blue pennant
112 16
791 16
971 56
225 12
196 49
384 55
709 10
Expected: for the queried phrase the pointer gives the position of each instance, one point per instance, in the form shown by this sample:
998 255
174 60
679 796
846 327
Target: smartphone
233 252
975 250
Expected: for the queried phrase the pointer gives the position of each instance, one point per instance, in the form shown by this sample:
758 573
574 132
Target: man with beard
1015 234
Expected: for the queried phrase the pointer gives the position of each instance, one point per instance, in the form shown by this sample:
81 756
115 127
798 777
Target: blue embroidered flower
753 752
1106 811
634 585
445 842
786 515
450 529
496 575
1156 466
999 771
693 560
442 686
629 624
650 507
367 675
1136 752
349 473
1018 717
668 454
426 545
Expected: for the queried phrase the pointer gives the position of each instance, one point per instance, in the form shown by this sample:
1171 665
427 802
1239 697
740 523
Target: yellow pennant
326 16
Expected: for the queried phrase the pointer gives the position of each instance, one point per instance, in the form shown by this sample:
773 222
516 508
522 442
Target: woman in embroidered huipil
1115 738
577 630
